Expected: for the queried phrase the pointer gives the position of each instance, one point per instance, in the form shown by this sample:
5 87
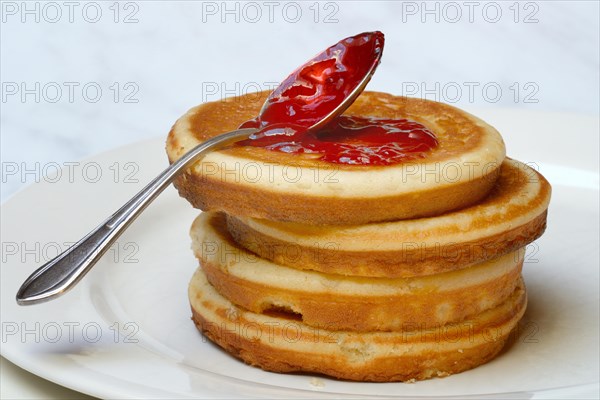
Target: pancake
510 217
284 345
338 302
261 183
349 303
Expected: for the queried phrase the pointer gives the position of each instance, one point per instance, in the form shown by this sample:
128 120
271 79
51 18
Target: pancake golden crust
255 182
283 345
339 302
212 195
510 217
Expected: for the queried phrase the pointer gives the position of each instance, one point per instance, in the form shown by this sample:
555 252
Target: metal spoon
64 271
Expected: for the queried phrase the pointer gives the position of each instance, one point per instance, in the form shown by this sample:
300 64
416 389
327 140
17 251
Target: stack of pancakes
371 273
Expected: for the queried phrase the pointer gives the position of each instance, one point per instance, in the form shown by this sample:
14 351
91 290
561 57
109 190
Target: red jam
351 140
314 90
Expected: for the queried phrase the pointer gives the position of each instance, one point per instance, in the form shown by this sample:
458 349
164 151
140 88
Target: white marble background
152 60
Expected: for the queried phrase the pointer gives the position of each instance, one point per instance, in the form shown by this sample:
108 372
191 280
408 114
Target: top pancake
261 183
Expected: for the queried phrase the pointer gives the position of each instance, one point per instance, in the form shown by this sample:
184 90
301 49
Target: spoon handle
61 273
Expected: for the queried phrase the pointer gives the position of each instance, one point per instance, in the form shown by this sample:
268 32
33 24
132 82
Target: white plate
139 288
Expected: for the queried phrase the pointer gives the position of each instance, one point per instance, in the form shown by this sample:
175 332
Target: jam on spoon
314 90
